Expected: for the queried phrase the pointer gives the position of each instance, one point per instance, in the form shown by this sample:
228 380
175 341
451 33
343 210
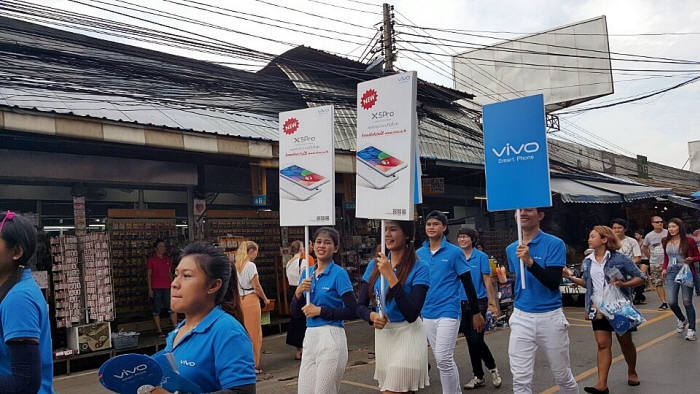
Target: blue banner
516 158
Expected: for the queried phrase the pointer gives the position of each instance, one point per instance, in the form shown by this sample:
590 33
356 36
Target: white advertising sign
386 147
307 167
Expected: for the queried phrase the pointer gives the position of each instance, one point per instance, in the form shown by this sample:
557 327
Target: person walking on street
595 270
399 339
26 353
630 248
538 319
296 327
442 308
252 294
696 235
159 276
680 250
480 271
651 246
332 301
644 263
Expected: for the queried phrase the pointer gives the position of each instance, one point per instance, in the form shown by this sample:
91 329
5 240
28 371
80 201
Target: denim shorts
160 301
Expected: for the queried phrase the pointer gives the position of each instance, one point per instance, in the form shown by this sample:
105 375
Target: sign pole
308 253
383 243
520 242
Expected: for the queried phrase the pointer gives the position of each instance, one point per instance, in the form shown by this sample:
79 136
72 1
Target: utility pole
388 37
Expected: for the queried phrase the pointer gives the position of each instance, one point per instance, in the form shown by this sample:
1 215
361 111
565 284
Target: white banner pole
381 278
520 242
308 255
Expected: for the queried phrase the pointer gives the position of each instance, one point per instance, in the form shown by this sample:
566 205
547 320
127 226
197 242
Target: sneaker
496 378
663 307
682 324
475 383
690 335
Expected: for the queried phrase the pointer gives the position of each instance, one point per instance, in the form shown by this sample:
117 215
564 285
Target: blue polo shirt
479 265
444 295
217 354
547 251
419 275
25 314
327 290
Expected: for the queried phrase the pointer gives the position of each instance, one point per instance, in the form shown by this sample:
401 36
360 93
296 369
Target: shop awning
630 192
577 192
684 202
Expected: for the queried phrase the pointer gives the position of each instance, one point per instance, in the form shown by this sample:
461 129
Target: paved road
666 362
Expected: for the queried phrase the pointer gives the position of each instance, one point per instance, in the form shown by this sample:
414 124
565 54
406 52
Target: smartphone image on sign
303 177
374 178
296 191
380 161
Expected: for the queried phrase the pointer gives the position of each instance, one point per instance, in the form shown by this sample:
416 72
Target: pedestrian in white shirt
630 248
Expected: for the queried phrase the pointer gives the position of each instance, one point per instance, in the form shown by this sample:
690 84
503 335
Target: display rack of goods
261 227
98 278
132 234
66 280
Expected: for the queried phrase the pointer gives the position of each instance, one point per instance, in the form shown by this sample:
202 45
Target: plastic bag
685 276
620 312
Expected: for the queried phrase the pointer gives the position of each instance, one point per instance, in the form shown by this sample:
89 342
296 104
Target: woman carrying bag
679 252
595 269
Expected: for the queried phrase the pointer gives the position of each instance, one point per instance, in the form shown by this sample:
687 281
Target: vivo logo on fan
129 372
508 149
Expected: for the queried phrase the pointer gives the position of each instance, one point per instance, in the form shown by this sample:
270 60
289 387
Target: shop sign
199 207
387 148
642 167
433 185
516 158
307 167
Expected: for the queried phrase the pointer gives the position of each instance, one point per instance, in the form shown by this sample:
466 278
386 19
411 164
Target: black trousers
478 350
296 330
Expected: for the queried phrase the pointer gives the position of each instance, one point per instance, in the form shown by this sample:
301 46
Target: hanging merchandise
66 280
98 278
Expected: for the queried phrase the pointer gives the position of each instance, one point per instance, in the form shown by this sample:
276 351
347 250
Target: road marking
620 357
579 325
365 386
576 319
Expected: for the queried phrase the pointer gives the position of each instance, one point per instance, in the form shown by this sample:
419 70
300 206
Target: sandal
258 371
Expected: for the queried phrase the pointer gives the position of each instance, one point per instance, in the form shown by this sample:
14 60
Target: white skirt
401 354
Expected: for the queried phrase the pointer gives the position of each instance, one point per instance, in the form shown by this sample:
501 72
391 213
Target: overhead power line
631 100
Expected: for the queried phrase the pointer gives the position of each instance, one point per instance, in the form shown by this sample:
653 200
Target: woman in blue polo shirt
211 348
442 309
26 358
399 340
332 301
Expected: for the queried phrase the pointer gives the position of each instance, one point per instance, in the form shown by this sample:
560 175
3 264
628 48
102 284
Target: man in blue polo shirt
538 320
442 308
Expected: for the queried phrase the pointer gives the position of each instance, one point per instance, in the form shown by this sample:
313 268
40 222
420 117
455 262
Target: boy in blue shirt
442 308
538 320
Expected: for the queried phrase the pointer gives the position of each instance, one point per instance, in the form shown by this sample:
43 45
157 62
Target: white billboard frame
568 65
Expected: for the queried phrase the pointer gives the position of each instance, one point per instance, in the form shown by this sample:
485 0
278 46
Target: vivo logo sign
129 372
508 149
188 363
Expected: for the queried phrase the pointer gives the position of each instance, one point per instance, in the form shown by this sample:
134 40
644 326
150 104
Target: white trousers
323 360
530 331
442 336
